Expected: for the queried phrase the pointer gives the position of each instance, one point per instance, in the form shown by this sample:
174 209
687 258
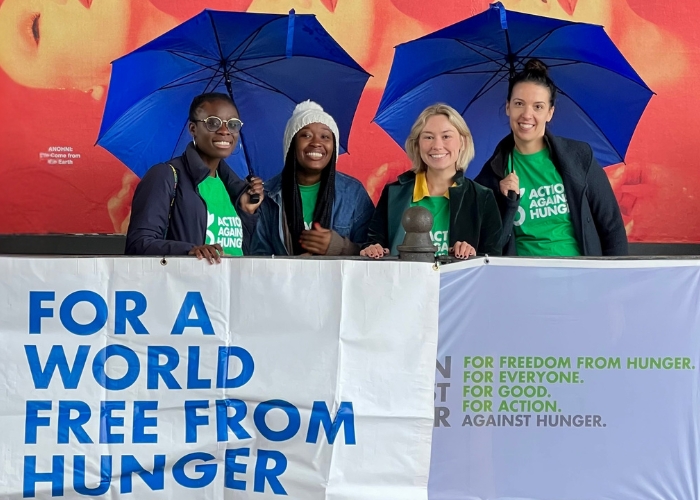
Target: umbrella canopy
468 66
268 64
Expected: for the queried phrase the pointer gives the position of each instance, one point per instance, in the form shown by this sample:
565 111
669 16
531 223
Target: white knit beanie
304 114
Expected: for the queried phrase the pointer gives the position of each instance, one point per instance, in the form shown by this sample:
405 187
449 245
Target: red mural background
54 75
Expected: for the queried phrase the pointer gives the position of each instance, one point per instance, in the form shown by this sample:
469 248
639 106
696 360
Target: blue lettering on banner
133 367
68 424
79 476
193 300
131 316
154 480
141 422
293 420
57 358
31 476
320 415
224 423
157 368
206 472
193 380
129 307
66 312
107 421
157 371
233 467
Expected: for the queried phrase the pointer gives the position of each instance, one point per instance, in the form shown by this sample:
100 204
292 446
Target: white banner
256 378
567 380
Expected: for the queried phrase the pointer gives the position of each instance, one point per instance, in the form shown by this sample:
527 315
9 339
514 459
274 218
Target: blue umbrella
468 65
267 63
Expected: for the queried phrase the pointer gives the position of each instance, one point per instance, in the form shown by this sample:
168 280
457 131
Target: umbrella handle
512 195
254 198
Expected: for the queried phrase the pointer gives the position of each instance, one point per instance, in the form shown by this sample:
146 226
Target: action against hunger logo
542 202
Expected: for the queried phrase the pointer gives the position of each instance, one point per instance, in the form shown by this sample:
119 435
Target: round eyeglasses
213 123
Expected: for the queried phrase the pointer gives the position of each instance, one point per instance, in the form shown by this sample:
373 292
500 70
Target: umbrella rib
216 36
257 65
483 90
184 77
184 54
259 83
489 58
539 41
190 82
265 85
456 69
574 62
536 42
250 39
622 158
469 46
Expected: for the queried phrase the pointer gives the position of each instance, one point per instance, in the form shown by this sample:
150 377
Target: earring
194 142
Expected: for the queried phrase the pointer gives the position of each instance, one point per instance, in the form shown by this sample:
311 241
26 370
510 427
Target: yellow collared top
420 190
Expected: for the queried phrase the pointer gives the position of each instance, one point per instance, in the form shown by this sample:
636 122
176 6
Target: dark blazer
187 225
474 216
595 214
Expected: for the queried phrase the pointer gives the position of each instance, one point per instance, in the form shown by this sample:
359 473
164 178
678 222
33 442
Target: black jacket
595 214
474 215
188 220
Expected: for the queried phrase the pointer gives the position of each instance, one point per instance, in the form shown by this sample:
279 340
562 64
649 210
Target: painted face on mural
56 43
585 11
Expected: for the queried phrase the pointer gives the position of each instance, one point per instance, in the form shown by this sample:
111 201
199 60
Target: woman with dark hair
310 208
554 198
195 204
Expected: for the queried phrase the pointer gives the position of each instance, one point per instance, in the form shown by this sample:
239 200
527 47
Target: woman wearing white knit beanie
310 208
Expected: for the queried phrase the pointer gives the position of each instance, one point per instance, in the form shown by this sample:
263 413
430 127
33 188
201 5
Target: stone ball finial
417 244
417 220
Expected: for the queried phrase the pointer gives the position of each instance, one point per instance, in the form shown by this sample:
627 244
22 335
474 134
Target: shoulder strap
172 200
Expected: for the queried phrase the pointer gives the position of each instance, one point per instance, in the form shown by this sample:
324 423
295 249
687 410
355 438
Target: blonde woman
466 220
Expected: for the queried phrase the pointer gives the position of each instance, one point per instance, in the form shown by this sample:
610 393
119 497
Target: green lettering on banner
534 362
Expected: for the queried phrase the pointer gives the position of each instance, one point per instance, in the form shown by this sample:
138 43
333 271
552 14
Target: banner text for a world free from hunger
118 367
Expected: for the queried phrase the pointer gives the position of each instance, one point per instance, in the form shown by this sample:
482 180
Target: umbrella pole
229 88
511 58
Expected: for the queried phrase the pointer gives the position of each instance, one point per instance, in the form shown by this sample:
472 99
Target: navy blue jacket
188 220
595 214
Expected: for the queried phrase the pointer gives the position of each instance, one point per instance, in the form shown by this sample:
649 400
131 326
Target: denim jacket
352 211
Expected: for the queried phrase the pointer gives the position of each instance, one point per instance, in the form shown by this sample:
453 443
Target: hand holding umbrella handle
254 198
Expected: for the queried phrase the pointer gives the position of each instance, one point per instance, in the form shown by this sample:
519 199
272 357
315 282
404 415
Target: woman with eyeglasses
311 209
195 204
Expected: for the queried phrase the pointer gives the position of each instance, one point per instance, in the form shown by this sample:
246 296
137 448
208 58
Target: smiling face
440 143
217 145
529 110
314 147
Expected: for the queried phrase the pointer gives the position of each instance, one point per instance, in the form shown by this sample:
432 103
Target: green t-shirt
542 226
223 223
309 194
439 206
